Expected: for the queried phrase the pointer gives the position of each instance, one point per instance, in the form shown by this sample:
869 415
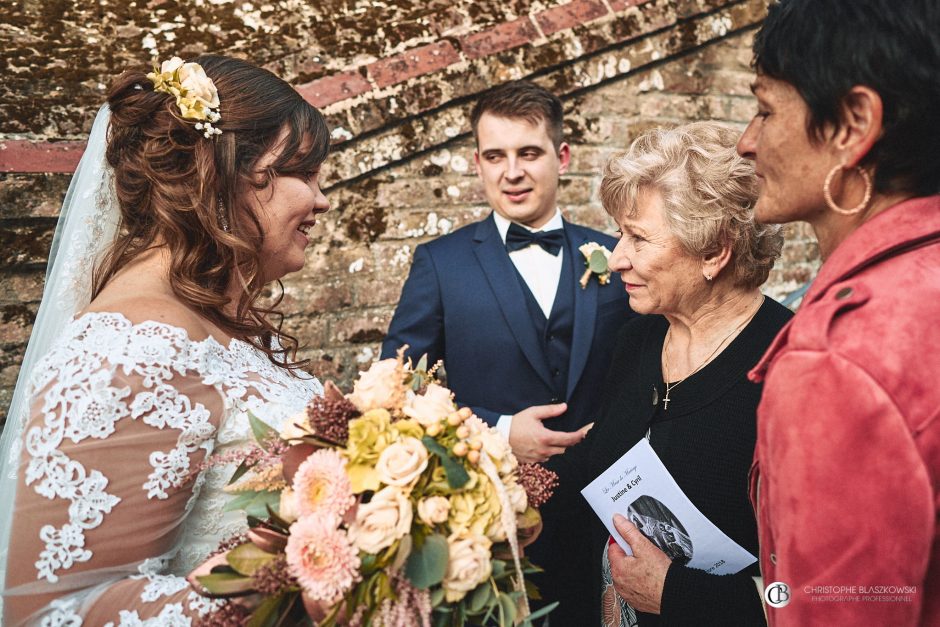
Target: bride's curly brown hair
178 188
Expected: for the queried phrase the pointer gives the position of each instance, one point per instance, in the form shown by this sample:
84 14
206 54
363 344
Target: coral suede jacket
846 476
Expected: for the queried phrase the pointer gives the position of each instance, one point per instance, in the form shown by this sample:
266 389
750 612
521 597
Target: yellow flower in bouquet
476 507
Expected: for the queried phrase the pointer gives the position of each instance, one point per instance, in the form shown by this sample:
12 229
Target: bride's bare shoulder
155 307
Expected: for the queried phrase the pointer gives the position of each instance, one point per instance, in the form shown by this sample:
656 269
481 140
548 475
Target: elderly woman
847 468
692 258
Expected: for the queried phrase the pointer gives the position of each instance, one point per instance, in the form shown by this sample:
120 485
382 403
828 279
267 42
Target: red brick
498 38
22 155
622 5
417 62
570 15
334 88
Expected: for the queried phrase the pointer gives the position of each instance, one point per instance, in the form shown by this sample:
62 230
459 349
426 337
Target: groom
499 301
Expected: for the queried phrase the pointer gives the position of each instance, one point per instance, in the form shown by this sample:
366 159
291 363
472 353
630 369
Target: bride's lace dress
109 510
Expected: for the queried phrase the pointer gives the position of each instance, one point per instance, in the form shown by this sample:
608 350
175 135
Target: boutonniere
595 258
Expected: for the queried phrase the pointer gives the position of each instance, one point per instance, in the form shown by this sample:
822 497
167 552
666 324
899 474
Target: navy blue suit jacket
463 303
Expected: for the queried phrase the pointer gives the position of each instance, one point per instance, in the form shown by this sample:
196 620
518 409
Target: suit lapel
585 310
501 275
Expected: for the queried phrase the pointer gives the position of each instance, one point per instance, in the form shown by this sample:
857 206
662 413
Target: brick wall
402 171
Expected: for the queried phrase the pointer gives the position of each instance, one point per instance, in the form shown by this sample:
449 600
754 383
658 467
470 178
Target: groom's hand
532 441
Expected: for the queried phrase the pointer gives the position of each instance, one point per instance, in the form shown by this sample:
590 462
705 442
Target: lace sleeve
119 419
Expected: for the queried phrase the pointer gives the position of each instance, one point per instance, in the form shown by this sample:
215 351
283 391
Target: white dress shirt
540 270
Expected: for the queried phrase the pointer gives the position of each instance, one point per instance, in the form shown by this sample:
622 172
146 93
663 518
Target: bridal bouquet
387 506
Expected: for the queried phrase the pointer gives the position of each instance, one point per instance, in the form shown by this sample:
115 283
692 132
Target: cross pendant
666 401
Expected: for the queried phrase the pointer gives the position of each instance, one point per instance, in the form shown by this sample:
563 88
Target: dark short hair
523 100
825 47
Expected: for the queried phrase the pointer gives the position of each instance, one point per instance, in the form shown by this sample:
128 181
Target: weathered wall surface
400 176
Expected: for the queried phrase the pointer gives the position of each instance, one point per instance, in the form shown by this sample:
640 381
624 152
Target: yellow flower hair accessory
195 93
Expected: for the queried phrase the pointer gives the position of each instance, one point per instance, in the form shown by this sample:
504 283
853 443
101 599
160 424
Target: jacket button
554 400
556 372
845 292
773 559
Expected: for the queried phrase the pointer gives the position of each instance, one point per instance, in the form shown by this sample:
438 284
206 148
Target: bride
197 189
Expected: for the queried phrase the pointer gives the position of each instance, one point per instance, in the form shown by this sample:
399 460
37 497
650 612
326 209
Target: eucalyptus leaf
480 598
248 558
260 429
422 363
457 476
427 564
539 613
598 263
258 507
437 596
241 501
507 610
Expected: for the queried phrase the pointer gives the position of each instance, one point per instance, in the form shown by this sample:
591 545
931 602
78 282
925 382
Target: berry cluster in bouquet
388 506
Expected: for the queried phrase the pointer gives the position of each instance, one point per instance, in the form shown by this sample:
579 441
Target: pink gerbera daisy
321 485
322 558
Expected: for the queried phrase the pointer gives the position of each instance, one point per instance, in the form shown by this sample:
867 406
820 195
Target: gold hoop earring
827 192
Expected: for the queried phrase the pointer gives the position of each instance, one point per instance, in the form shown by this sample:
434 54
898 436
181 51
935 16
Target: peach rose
381 521
378 387
430 407
468 564
433 510
401 463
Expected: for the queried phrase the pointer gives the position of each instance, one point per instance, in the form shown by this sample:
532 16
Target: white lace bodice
121 414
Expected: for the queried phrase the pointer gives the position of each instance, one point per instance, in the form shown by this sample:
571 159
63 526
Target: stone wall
682 61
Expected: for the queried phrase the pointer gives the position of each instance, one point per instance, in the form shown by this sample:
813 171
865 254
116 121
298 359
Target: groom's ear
564 157
476 161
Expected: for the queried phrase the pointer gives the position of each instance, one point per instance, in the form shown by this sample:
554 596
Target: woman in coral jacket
846 479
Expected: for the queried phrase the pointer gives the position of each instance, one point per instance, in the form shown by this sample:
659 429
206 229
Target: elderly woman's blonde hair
708 194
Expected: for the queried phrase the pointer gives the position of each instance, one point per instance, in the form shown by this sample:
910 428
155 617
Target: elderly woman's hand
639 579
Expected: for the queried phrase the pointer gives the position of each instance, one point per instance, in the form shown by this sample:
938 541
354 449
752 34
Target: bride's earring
223 221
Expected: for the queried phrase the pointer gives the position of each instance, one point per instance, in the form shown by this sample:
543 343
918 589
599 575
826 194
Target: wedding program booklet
639 487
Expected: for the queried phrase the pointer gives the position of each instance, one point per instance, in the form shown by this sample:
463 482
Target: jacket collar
901 227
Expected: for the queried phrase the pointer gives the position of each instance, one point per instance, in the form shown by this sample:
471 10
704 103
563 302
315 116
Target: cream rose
379 387
430 407
288 509
381 521
171 65
433 510
517 496
198 85
497 447
401 463
468 564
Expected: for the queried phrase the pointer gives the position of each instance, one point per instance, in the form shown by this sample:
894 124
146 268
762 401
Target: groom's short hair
521 100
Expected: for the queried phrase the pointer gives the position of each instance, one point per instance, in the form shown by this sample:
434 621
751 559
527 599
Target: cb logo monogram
777 594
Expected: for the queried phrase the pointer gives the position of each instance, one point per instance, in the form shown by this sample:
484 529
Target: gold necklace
671 387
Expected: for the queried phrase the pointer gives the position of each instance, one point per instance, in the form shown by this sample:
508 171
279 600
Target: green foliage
225 584
598 262
259 429
247 558
427 564
255 503
457 476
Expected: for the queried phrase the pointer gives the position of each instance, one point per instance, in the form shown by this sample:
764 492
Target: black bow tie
518 238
